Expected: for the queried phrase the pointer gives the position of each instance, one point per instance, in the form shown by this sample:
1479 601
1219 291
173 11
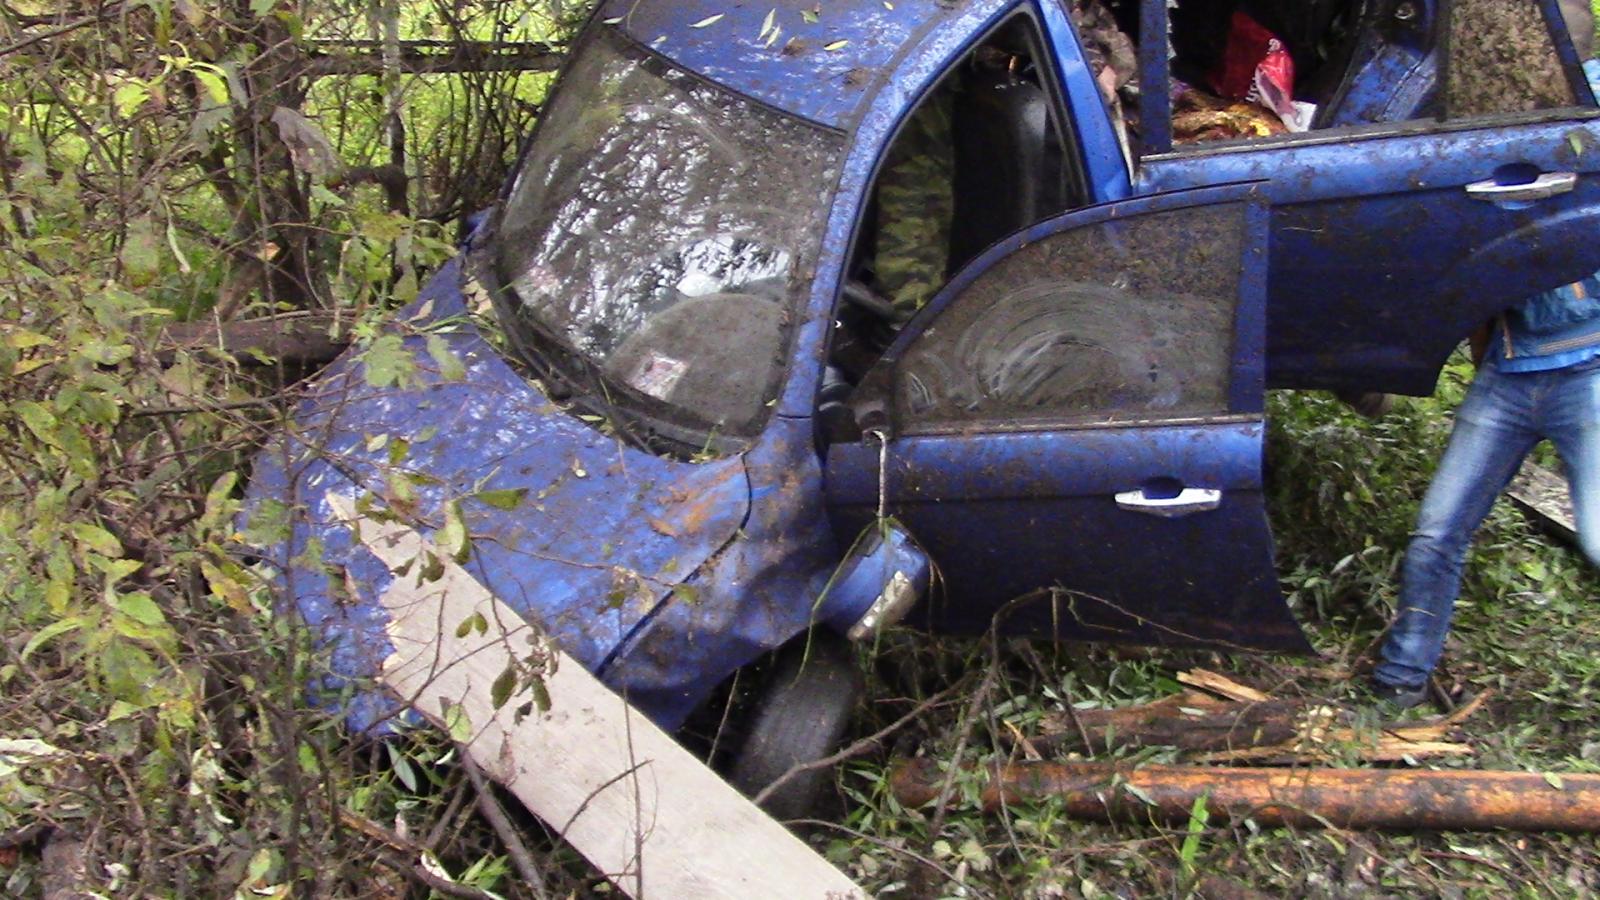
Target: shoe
1393 698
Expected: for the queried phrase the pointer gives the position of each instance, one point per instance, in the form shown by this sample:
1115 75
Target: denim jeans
1504 415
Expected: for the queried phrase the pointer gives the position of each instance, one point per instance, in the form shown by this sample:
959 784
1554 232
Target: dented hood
575 530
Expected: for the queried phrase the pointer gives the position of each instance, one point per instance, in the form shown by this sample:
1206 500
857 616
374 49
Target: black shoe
1392 698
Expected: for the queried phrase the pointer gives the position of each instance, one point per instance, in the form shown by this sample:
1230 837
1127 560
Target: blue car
669 395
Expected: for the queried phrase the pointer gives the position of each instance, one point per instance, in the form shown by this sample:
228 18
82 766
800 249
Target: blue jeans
1504 415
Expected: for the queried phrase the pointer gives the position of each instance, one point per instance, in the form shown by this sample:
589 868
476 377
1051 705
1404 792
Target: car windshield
662 230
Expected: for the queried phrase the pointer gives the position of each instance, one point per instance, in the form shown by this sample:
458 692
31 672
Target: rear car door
1452 169
1072 430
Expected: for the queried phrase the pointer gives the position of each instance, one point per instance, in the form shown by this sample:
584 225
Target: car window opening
985 153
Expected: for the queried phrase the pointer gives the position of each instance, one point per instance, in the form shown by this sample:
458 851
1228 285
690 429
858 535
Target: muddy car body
715 436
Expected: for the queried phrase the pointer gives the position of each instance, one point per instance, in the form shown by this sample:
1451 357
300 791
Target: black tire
799 717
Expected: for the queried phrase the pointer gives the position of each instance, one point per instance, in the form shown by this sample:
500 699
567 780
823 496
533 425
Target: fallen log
1180 722
1460 799
308 339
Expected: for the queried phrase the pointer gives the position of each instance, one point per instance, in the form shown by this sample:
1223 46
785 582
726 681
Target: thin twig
532 877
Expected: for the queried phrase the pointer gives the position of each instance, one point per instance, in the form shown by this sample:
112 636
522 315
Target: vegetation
169 160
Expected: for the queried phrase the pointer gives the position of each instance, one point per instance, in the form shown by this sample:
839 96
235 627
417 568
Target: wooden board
644 811
1543 495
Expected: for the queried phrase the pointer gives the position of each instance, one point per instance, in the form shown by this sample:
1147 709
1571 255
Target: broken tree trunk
308 339
1457 799
1181 722
648 814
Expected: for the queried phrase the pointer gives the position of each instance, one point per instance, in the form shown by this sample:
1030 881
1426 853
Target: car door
1072 430
1452 169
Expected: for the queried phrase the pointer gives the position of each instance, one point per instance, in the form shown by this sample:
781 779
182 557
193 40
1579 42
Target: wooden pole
1458 799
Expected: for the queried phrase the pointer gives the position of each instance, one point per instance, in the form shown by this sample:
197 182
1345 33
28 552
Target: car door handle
1185 502
1545 186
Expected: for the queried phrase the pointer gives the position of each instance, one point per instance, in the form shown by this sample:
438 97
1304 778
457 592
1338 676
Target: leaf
402 767
1554 780
453 538
773 37
387 362
506 499
457 723
1139 793
1197 827
768 22
48 633
708 20
216 87
141 251
809 16
97 539
836 45
140 608
129 96
501 690
451 368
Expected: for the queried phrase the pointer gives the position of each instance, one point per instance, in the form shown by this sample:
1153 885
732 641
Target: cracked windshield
658 233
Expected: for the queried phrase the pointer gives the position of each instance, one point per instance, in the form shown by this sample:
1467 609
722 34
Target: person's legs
1493 432
1572 422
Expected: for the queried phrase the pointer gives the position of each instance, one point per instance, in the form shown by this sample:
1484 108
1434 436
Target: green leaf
140 608
708 20
501 690
451 368
457 723
97 539
387 362
1554 781
39 420
216 87
141 251
835 45
402 768
48 633
452 538
502 499
1197 827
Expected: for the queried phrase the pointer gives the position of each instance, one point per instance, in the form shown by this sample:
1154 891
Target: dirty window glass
665 230
1125 320
1502 60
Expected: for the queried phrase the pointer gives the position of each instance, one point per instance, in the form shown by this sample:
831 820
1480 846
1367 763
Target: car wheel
799 717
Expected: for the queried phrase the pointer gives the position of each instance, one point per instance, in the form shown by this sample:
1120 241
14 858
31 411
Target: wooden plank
644 811
1543 495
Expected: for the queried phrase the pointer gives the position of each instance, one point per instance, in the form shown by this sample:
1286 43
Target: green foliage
179 161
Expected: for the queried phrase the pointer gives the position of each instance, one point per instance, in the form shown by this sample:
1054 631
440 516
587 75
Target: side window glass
1502 60
987 151
1122 321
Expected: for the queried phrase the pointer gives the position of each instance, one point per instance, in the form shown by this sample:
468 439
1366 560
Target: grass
1343 493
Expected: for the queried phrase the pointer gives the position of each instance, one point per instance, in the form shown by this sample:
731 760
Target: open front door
1074 431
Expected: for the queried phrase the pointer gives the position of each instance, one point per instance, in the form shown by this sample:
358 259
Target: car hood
579 532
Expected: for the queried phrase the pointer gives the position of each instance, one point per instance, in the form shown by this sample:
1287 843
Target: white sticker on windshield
657 375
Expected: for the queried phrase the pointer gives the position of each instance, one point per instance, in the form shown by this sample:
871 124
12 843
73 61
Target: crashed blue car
665 395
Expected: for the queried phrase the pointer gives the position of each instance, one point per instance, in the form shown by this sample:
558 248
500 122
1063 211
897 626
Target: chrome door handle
1545 186
1185 502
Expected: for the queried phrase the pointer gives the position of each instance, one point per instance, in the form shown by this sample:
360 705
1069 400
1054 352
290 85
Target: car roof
825 62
